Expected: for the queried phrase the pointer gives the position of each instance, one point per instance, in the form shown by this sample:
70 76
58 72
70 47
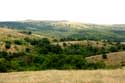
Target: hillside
66 29
31 45
113 59
15 39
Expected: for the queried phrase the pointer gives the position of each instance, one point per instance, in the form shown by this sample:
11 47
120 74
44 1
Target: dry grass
11 35
65 76
98 44
116 58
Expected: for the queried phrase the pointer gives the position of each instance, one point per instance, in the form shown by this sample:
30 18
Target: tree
113 49
104 56
19 42
43 41
29 32
56 49
27 49
8 44
3 65
64 44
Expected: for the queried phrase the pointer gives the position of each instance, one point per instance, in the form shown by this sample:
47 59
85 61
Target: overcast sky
89 11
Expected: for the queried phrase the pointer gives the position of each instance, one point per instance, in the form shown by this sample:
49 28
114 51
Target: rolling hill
113 59
66 29
16 39
28 45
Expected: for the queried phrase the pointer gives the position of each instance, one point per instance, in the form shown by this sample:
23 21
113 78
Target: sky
88 11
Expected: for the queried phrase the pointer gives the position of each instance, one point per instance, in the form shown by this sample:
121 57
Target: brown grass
11 35
98 44
65 76
116 59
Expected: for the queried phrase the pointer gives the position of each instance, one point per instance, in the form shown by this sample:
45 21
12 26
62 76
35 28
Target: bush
8 44
3 65
19 42
97 65
27 32
64 44
104 56
43 41
28 50
113 49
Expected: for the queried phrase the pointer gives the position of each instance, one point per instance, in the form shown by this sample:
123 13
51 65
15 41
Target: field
65 76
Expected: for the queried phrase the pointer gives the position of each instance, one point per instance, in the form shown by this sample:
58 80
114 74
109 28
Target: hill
66 29
113 59
15 39
30 45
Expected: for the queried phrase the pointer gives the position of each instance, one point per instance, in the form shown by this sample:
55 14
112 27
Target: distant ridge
69 29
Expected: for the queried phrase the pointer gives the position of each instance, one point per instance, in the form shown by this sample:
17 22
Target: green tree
3 65
8 44
104 56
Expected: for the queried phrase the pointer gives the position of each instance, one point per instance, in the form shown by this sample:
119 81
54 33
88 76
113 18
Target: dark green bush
104 56
8 44
3 65
19 42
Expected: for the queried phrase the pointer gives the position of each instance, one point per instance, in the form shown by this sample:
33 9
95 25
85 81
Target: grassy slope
65 76
114 59
12 35
98 44
70 29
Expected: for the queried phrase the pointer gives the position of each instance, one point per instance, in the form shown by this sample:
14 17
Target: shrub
28 50
3 65
26 32
19 42
104 56
64 44
97 65
8 44
43 41
113 49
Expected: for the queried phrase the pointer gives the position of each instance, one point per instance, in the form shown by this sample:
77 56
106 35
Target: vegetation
27 49
104 56
65 30
8 44
42 54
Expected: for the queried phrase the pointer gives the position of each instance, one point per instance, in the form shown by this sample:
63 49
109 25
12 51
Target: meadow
65 76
